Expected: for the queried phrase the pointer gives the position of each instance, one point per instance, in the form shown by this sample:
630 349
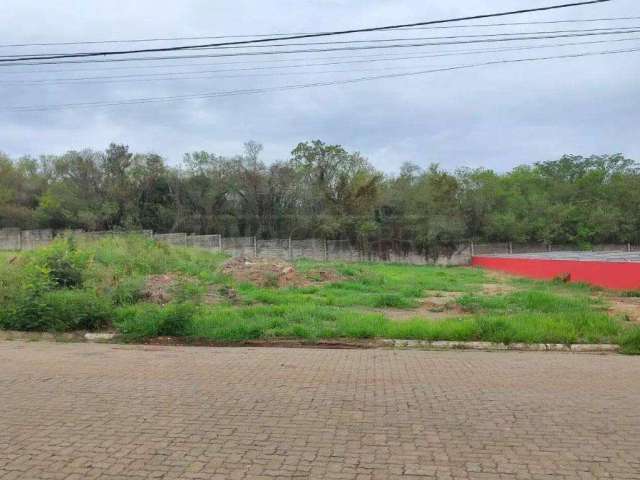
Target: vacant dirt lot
76 411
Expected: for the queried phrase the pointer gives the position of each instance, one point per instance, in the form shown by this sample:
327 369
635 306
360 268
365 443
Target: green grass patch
230 323
520 327
630 341
265 322
538 300
77 285
148 320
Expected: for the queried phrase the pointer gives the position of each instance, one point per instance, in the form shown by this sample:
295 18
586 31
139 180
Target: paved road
81 411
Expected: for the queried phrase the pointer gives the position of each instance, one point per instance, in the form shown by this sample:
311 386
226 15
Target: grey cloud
495 116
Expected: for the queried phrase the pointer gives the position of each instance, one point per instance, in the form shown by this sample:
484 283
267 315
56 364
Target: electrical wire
137 101
309 35
269 61
321 50
184 75
212 37
608 30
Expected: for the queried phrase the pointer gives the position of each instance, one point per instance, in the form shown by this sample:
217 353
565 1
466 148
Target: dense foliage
324 191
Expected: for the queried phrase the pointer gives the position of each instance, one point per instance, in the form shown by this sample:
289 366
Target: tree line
325 191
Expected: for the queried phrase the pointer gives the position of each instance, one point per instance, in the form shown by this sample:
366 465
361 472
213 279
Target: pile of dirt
159 288
273 272
261 271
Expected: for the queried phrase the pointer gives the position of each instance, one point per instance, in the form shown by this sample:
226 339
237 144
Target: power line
596 31
319 50
386 55
341 59
623 29
309 35
137 101
179 75
202 77
212 37
268 61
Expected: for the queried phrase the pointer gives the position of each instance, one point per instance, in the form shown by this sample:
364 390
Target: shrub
57 311
63 261
75 309
128 291
21 287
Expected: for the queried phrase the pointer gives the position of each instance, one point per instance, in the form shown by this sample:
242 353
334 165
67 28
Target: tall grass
69 284
73 284
231 323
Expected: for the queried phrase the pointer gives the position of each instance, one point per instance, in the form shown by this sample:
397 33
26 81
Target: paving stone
101 411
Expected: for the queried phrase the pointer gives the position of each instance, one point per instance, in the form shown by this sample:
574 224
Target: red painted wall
615 275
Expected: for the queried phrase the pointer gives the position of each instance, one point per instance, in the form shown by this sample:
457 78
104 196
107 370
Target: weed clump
138 322
630 341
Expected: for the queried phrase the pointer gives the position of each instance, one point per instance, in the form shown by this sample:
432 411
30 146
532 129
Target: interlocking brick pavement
83 411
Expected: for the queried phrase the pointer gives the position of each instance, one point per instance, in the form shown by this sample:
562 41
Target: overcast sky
496 116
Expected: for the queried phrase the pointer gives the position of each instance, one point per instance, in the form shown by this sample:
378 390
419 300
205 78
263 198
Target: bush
128 291
64 263
76 309
21 287
57 311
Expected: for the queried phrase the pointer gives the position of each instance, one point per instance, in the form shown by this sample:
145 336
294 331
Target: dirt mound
270 272
261 271
159 288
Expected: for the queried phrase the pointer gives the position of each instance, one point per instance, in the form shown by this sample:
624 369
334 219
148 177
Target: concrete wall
16 239
239 246
208 242
10 239
312 248
30 239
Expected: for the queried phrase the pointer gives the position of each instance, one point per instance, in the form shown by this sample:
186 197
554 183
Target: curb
524 347
99 337
104 337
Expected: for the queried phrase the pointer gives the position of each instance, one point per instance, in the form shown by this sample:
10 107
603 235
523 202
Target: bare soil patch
439 305
216 294
159 288
628 307
499 283
269 272
497 289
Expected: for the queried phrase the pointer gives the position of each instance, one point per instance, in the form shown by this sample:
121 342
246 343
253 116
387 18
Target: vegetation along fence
287 249
313 248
